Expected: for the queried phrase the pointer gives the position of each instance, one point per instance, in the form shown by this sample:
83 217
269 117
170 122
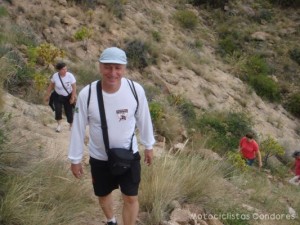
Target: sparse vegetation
230 41
225 129
293 104
256 72
47 53
235 158
83 34
211 3
117 8
157 112
157 193
187 19
286 3
137 52
265 87
295 55
3 12
270 147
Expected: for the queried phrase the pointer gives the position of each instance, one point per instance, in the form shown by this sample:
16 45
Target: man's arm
144 125
78 134
73 95
259 159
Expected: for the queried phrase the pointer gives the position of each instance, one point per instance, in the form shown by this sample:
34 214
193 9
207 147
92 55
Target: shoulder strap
63 84
132 87
102 115
89 96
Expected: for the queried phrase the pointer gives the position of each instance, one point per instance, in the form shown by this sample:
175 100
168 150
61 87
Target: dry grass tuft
181 177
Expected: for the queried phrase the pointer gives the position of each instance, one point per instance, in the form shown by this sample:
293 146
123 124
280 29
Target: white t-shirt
121 121
68 80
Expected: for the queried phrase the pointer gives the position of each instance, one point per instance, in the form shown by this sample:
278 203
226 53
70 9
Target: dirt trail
35 123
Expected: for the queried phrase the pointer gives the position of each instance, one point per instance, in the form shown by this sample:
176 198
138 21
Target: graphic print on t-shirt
122 114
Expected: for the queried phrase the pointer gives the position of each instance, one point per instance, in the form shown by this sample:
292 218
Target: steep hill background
178 60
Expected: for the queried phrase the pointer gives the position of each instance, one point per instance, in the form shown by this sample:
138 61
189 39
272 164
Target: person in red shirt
249 149
295 169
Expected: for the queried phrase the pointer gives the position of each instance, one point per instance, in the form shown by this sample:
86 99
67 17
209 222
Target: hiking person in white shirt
64 95
125 107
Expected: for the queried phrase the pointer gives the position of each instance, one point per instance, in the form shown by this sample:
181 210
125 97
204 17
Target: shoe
58 129
111 223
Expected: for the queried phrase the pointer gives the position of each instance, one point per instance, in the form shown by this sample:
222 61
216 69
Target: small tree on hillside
270 147
47 53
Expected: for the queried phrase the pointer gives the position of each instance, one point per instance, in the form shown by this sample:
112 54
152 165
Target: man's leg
106 204
130 209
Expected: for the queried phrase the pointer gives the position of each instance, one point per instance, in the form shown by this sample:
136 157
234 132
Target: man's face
249 139
112 73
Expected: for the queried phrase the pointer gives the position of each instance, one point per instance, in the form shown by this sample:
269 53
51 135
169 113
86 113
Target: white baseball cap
113 55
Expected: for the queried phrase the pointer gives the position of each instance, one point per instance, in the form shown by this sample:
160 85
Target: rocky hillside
175 63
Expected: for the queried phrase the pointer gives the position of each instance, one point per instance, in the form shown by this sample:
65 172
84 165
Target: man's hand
77 170
47 97
148 156
73 100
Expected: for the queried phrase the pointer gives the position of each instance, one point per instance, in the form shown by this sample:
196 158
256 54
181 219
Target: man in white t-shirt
123 113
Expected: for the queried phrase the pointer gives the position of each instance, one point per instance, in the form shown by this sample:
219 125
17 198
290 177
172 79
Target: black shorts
104 182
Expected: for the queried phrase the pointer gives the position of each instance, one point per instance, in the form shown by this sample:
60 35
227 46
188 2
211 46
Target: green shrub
188 113
235 158
156 111
225 129
137 53
270 147
175 99
32 56
83 33
187 19
19 81
2 140
295 55
263 15
152 92
286 3
186 109
156 36
230 40
40 81
229 45
84 3
22 36
293 104
117 8
255 71
266 87
256 65
198 44
211 3
3 11
47 53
